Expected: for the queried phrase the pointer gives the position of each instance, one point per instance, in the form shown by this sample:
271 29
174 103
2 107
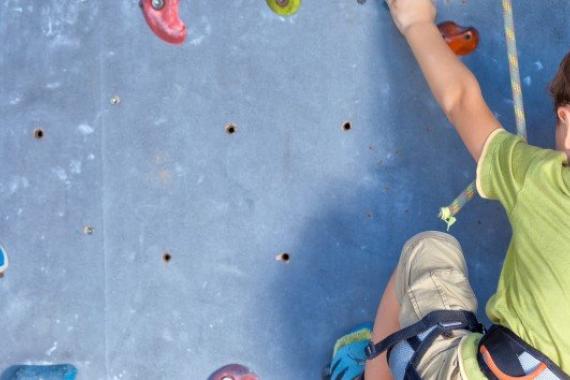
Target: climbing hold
462 40
233 372
3 260
163 18
44 372
284 7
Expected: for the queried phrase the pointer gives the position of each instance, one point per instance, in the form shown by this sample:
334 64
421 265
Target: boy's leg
386 323
431 275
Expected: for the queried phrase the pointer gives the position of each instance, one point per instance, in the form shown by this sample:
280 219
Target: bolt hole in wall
115 100
38 133
346 126
283 257
166 257
231 128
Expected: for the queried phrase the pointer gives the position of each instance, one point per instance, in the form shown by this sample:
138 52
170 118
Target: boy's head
560 90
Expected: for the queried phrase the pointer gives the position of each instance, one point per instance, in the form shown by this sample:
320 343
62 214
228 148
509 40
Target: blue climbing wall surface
156 173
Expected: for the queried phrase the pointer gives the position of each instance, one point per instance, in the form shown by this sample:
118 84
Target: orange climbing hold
462 40
163 18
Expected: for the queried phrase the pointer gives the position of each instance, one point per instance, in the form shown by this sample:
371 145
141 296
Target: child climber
425 327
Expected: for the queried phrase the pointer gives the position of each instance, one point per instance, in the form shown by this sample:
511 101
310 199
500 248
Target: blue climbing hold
43 372
3 260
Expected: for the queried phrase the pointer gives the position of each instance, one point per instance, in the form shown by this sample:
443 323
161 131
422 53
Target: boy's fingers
392 2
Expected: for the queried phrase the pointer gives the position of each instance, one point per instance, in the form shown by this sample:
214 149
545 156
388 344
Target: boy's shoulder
548 166
514 150
508 165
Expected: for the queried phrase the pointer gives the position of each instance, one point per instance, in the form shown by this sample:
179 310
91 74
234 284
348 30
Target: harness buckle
447 328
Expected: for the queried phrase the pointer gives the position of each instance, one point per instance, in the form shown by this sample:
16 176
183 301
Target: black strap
442 323
411 369
414 342
445 320
505 347
412 374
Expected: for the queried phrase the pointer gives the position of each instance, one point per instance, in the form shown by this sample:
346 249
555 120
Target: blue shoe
43 372
348 355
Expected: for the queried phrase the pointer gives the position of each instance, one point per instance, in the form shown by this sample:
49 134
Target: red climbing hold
233 372
462 40
163 17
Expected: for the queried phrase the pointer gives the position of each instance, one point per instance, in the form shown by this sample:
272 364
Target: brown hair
560 86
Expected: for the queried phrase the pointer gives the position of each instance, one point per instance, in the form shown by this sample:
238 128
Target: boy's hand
406 13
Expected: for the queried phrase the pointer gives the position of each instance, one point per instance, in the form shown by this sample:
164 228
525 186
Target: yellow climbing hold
284 7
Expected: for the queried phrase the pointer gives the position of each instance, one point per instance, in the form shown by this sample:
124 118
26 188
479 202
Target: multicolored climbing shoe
233 372
348 355
43 372
284 7
163 18
3 260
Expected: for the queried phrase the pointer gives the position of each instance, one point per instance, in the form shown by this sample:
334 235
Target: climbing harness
504 356
407 347
448 214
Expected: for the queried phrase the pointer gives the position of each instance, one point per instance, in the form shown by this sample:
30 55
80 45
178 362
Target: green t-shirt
533 294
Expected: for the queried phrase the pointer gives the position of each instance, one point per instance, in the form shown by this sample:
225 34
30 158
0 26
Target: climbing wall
241 197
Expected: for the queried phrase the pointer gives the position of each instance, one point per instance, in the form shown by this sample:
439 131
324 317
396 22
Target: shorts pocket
443 289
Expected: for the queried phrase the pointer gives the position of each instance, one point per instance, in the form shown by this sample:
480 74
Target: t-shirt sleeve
503 167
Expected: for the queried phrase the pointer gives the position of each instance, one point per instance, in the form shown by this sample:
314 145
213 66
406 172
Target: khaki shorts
432 275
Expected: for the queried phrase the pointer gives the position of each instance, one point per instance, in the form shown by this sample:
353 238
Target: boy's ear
563 113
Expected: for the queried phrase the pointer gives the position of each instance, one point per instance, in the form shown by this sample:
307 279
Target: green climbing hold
284 7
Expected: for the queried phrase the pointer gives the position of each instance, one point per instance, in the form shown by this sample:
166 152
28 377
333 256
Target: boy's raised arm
454 86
